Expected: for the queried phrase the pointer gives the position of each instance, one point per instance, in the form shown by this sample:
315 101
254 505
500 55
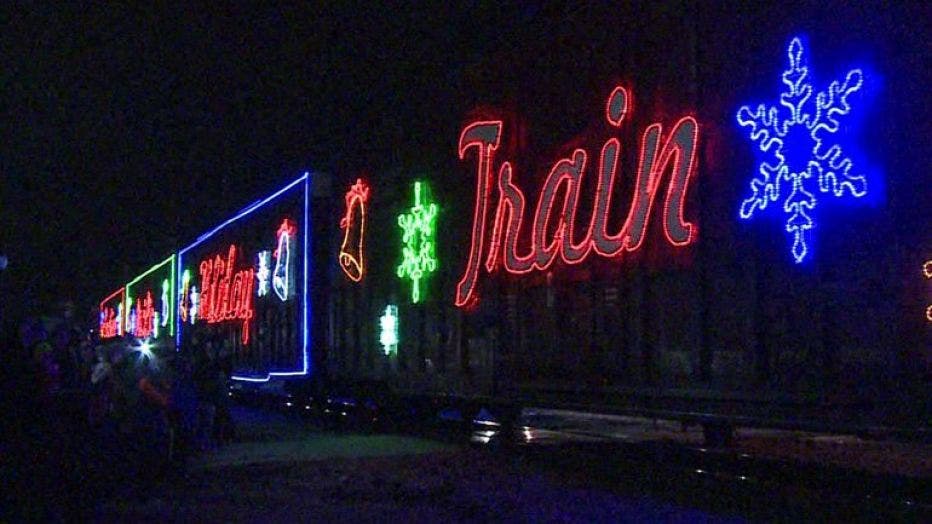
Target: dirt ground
290 468
288 471
880 457
453 485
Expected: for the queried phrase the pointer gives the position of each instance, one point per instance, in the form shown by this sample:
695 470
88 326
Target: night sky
131 131
128 132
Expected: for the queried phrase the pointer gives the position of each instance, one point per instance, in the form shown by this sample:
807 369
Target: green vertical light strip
174 304
419 237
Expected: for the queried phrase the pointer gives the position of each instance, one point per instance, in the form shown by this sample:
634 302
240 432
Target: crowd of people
117 414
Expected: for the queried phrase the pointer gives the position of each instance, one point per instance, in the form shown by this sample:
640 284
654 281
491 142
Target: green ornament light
419 237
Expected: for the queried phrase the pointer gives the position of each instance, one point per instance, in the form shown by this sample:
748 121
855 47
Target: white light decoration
131 316
184 306
263 272
166 303
195 303
281 277
389 335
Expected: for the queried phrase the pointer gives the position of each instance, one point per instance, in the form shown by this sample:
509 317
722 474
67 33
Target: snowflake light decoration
419 233
800 137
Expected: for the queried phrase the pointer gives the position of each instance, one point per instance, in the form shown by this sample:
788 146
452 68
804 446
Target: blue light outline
248 209
245 211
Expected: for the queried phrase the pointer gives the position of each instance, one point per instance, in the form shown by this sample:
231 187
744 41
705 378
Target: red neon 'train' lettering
559 198
483 136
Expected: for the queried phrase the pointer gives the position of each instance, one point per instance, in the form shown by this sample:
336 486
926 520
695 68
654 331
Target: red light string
352 263
226 295
560 194
109 323
145 316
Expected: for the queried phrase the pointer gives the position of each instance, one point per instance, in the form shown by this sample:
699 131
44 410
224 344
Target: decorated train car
660 217
143 309
149 303
249 286
664 218
110 323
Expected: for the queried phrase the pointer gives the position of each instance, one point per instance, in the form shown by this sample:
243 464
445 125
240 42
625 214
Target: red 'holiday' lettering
559 198
109 323
145 316
111 319
226 295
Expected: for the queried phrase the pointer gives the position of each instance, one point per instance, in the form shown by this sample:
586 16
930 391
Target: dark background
128 132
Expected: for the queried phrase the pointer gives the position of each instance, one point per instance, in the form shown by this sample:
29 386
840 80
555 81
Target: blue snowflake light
800 139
